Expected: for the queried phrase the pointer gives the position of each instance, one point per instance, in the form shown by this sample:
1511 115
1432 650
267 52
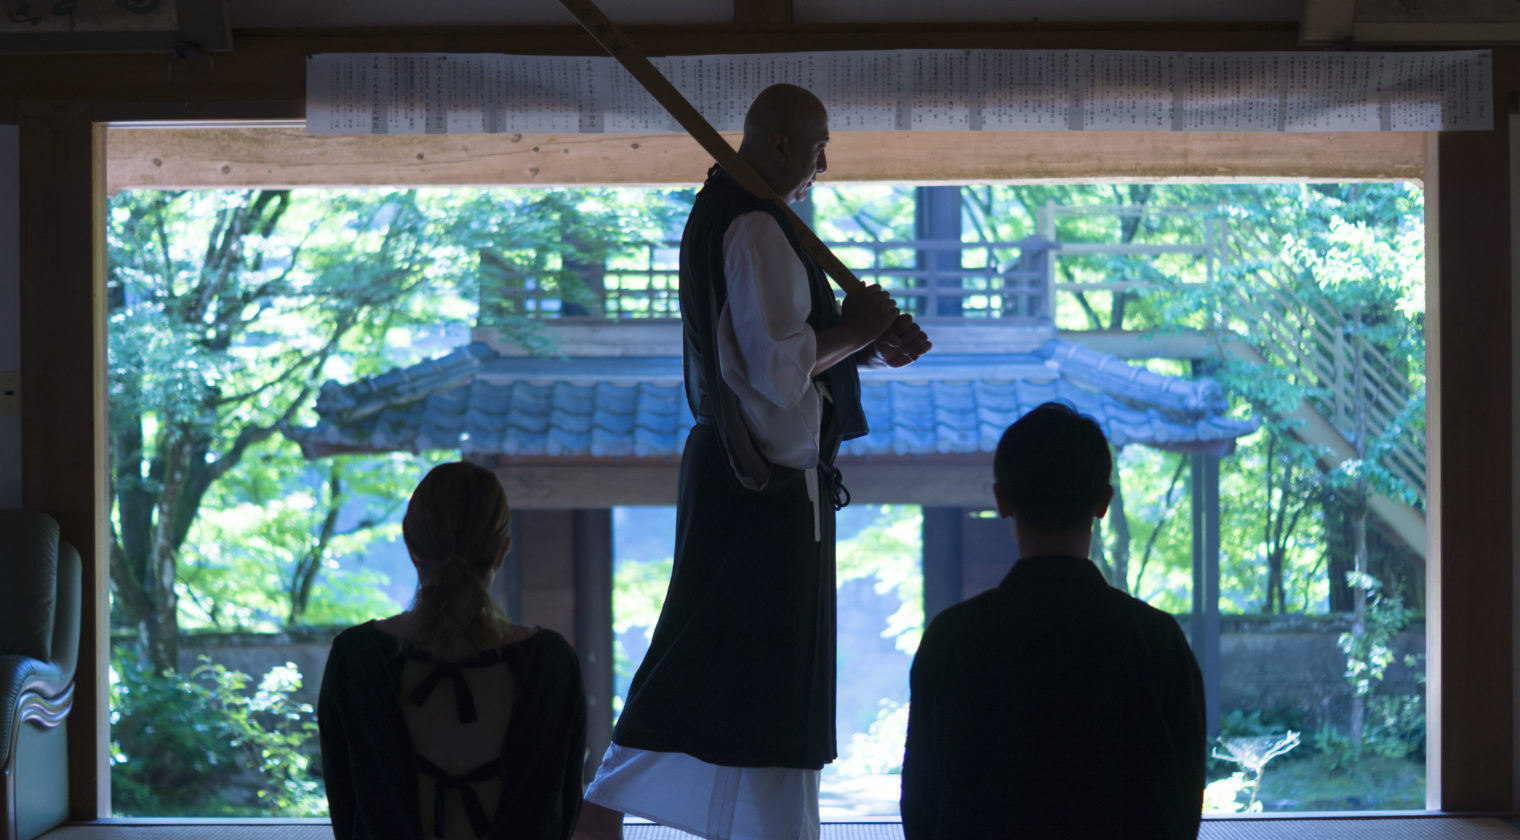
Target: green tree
270 533
890 550
226 310
1351 252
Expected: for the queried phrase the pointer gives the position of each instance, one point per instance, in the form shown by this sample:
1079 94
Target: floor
1335 828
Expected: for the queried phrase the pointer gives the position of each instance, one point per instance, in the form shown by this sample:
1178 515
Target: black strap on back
444 783
464 700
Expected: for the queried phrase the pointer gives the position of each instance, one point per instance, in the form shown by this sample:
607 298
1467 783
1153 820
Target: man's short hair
1054 467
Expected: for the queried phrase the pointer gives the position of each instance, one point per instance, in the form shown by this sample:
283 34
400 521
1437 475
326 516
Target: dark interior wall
10 317
55 102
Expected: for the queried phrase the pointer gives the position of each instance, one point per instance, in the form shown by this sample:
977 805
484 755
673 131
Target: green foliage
871 213
226 310
1395 724
638 594
1369 653
879 750
1354 249
263 552
1312 784
1237 723
890 549
544 252
181 742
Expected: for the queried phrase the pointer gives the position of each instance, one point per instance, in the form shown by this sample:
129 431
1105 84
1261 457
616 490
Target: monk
730 717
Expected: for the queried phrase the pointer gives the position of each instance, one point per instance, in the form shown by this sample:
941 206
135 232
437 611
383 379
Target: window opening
230 311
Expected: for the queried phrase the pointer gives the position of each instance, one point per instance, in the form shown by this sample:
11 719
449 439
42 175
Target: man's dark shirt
1054 706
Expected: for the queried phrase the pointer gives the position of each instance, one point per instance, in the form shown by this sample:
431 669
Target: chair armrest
31 691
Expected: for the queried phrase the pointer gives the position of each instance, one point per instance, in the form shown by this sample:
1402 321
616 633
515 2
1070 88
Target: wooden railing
1287 323
1304 330
1002 281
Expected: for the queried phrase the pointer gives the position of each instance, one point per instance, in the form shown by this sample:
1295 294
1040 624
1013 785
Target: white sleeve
766 350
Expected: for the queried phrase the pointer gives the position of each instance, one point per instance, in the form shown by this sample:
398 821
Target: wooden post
941 559
1470 427
938 218
506 587
592 531
547 549
1205 618
63 424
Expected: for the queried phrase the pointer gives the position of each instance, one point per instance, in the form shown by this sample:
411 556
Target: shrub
204 744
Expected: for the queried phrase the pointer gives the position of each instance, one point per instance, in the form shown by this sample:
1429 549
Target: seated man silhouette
1054 706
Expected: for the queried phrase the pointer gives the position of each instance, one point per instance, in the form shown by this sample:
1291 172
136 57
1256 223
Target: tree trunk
309 565
1359 537
1359 617
1340 550
1276 594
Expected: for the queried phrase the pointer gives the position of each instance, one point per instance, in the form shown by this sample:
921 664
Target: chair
39 646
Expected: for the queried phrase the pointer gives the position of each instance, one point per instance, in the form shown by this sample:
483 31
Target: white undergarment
708 800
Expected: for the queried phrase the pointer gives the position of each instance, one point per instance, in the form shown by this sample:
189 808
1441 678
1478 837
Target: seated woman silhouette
448 720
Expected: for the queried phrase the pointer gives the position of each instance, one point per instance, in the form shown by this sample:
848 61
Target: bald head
785 131
782 109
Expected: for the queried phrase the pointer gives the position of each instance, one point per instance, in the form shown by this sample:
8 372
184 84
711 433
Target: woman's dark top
378 783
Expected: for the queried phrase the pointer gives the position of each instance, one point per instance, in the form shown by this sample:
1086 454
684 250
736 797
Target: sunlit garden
236 556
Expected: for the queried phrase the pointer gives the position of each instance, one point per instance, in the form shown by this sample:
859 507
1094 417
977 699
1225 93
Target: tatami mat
1340 828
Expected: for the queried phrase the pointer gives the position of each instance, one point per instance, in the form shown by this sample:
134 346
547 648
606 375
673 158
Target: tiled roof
482 404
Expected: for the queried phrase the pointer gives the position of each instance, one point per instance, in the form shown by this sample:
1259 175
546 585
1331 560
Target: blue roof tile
479 403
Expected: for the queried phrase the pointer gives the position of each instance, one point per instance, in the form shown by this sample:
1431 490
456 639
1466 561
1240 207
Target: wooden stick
619 47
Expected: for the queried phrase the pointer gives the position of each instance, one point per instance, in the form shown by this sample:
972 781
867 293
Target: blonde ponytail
457 527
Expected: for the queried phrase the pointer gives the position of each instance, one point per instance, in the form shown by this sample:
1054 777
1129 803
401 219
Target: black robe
740 669
1054 706
371 769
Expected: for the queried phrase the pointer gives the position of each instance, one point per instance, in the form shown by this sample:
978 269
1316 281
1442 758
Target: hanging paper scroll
1030 90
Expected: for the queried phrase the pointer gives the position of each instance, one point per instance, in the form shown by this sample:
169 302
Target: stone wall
1285 667
255 653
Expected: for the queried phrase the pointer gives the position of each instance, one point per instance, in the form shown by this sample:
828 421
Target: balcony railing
1007 281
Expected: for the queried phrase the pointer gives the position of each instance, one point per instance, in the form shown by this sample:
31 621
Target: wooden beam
1326 21
1470 428
63 422
265 77
592 554
267 70
762 11
1134 344
288 157
961 481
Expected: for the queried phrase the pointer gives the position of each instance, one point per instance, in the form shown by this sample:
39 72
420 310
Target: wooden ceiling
303 14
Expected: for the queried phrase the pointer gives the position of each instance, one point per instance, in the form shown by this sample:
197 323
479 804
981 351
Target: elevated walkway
1357 404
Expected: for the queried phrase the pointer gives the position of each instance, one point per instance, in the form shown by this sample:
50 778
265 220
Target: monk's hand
903 343
870 313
